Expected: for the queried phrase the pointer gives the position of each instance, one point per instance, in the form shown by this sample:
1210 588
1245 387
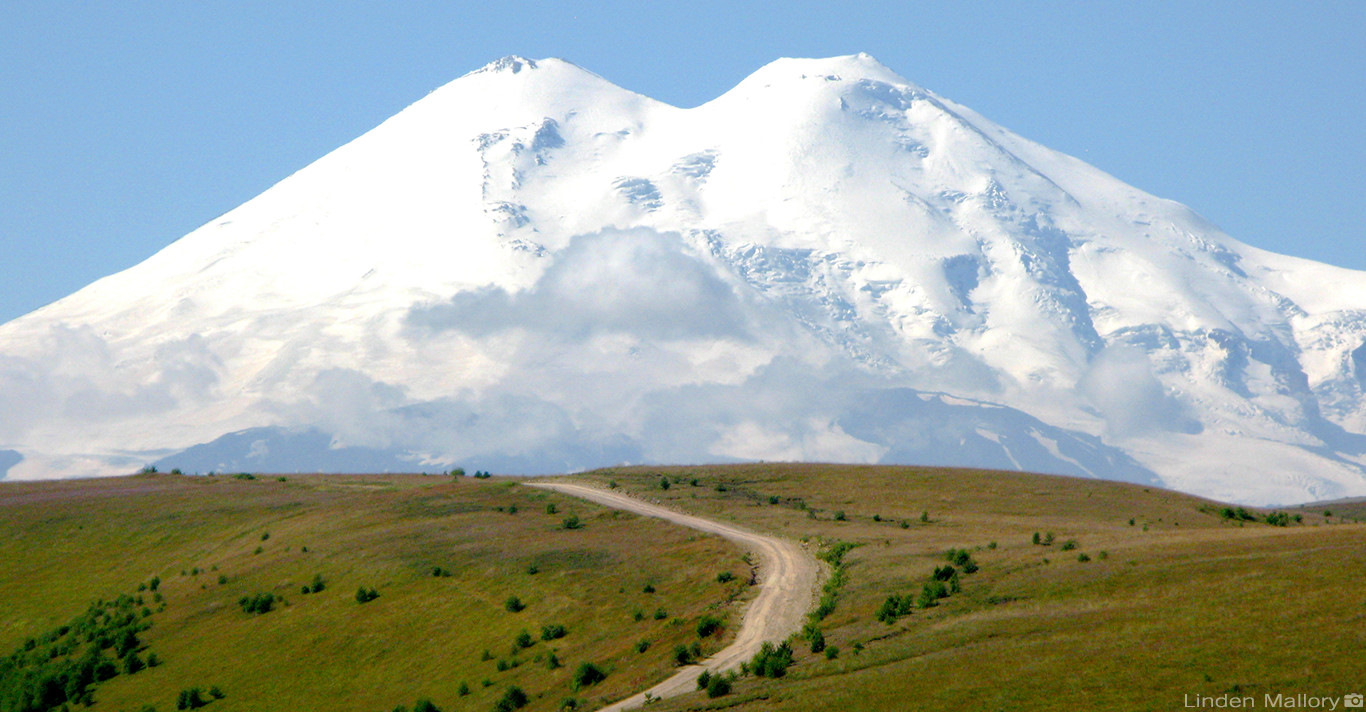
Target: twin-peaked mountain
534 270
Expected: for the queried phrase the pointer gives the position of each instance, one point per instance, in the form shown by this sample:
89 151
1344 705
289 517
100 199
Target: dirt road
787 582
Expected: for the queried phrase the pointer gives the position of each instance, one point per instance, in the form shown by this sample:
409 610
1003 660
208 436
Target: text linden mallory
1297 701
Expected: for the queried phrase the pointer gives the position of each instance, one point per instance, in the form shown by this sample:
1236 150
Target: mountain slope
535 270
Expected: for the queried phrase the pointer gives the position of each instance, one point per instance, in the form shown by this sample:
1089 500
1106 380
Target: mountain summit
534 270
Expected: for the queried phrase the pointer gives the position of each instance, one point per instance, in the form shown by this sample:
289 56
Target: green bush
1069 545
642 646
572 522
513 699
839 516
660 614
366 595
771 661
718 686
514 604
682 655
703 679
725 577
586 675
552 631
551 509
425 705
708 625
260 603
664 483
523 640
190 699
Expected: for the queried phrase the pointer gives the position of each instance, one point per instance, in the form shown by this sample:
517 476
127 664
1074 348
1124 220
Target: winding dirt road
787 582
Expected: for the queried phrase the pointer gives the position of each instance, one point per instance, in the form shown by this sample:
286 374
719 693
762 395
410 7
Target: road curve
787 582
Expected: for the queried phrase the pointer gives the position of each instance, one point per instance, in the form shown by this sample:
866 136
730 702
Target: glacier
534 270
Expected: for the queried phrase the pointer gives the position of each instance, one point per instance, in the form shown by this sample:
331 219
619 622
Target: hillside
213 540
1175 598
533 270
1142 596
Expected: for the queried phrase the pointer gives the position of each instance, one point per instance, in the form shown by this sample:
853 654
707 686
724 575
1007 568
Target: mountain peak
511 64
850 67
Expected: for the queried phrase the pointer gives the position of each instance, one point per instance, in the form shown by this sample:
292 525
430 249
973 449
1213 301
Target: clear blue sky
125 125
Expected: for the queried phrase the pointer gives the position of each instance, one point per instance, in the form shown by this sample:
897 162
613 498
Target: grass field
1143 596
214 540
1174 599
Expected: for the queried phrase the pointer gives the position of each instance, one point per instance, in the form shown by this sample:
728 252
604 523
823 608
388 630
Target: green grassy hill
1143 595
212 541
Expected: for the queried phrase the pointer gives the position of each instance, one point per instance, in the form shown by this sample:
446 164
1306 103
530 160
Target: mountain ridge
531 244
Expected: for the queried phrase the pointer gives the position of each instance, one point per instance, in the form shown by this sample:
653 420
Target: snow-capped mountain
534 270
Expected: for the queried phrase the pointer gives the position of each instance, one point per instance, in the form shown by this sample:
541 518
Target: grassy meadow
1131 599
213 540
1143 596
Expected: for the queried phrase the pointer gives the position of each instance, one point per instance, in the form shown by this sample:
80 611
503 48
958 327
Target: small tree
664 483
708 625
552 631
513 699
718 686
572 522
366 595
514 604
523 640
586 675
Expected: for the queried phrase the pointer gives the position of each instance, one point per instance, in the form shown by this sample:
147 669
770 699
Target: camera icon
1353 700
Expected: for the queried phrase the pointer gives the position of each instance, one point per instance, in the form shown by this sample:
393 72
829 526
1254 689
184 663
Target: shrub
155 583
642 646
586 675
839 516
318 584
523 640
944 573
463 690
552 662
572 522
552 631
260 603
718 686
1048 539
513 699
216 693
703 679
514 604
817 640
708 625
725 577
533 569
771 661
366 595
904 524
681 655
190 699
1037 540
771 500
925 517
661 614
664 483
1082 557
649 588
551 508
425 705
1069 545
832 652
